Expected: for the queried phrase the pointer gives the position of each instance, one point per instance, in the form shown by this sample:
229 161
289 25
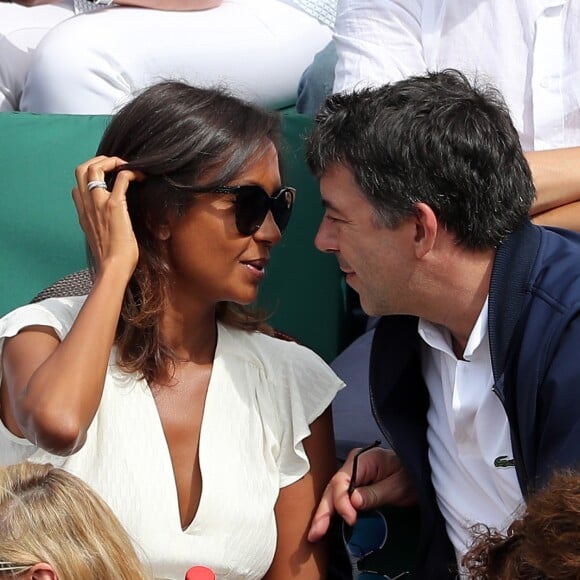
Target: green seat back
41 241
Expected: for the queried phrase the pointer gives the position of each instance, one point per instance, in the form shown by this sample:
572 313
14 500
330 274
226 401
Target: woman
54 527
210 440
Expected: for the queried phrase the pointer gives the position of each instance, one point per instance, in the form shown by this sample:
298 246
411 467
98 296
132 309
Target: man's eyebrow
328 205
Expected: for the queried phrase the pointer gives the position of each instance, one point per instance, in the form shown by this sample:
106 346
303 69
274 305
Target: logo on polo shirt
503 461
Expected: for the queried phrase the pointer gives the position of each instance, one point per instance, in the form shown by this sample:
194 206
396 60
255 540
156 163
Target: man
523 47
474 368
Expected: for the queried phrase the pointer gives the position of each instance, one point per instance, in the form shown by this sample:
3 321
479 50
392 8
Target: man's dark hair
437 139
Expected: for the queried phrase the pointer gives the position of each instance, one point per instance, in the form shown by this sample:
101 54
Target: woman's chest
129 459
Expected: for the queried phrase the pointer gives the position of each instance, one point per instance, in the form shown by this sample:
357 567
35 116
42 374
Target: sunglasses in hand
368 535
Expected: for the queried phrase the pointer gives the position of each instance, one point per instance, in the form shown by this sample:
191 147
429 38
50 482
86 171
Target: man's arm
566 216
556 174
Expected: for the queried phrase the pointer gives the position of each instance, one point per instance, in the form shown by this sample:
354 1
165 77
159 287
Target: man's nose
325 240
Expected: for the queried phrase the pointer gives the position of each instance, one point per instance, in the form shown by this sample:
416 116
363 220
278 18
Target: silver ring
94 184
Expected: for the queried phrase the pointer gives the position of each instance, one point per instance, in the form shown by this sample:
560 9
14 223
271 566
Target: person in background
91 56
316 81
525 49
513 47
473 373
541 543
210 438
53 526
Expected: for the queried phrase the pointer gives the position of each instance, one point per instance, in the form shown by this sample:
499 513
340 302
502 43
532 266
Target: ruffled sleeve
302 386
57 313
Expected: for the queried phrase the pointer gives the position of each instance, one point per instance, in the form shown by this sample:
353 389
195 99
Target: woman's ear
41 571
161 228
163 231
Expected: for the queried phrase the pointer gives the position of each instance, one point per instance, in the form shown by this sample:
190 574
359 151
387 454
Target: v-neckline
167 460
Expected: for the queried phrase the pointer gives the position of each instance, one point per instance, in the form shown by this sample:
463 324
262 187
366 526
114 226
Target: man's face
377 261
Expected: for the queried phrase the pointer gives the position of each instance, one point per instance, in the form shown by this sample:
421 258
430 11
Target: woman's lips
257 268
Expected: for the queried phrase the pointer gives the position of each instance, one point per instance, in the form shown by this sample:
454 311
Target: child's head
543 544
53 526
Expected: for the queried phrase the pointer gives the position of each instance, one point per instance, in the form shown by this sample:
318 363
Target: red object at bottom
199 573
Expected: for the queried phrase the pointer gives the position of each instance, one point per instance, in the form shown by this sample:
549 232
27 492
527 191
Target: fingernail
357 499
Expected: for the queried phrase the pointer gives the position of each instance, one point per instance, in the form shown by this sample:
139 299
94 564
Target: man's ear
426 228
41 571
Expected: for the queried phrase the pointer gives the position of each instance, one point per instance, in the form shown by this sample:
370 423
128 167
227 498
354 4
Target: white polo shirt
468 434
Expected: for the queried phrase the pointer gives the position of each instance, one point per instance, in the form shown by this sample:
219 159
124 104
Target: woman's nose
269 230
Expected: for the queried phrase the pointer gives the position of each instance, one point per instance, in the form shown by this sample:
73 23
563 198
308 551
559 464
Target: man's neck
461 292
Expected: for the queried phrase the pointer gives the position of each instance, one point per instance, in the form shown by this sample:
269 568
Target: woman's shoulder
279 347
278 358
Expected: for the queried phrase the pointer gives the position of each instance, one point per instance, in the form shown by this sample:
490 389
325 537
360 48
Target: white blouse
262 396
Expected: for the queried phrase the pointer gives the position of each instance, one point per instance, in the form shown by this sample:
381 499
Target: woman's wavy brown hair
542 544
185 140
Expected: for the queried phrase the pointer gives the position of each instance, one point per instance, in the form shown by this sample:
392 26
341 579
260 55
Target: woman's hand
52 387
104 216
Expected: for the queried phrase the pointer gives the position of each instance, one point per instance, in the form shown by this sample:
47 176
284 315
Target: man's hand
381 480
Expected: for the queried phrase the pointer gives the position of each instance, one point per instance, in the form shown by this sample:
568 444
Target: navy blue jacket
534 335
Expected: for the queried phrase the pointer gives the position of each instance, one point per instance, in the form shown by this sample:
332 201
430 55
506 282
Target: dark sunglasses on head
252 205
368 535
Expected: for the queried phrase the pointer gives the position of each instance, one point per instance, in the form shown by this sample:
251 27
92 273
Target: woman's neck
191 333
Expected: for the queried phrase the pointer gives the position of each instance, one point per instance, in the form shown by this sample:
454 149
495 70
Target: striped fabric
82 6
323 10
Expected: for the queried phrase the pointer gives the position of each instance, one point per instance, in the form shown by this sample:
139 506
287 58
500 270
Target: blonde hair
49 515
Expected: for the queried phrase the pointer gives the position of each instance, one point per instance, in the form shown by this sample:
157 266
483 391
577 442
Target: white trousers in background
21 29
52 61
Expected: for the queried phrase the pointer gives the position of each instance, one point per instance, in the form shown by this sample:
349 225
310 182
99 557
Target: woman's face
210 260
